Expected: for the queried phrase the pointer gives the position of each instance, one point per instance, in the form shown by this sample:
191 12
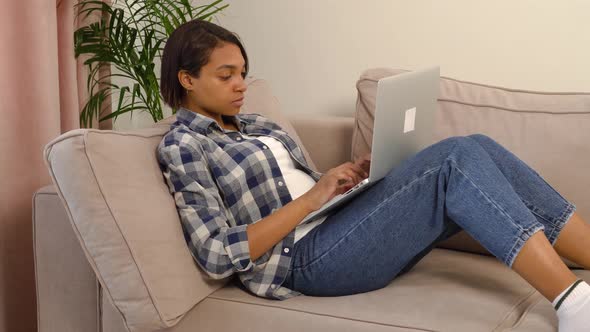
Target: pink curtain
42 89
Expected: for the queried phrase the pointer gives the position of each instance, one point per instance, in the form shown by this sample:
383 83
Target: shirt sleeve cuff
236 246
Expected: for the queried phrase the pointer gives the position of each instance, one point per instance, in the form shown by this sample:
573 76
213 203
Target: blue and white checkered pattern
221 183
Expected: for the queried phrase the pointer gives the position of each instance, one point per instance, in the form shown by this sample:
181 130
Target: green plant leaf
210 14
128 37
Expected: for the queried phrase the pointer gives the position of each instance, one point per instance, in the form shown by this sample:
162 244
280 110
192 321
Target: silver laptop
404 125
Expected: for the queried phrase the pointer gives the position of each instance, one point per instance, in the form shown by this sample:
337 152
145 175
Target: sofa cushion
445 291
126 220
549 131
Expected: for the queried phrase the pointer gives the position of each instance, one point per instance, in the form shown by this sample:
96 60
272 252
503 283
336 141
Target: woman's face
219 89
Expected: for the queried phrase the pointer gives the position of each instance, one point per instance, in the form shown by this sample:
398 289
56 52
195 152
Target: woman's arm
267 232
218 248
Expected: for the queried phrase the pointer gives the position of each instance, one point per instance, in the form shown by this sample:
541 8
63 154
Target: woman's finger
345 177
354 175
349 172
359 170
343 181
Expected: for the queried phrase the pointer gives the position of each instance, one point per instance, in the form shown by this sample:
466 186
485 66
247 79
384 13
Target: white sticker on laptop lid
410 120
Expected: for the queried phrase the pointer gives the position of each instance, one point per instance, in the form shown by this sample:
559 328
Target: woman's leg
541 266
538 255
367 243
574 241
569 235
538 262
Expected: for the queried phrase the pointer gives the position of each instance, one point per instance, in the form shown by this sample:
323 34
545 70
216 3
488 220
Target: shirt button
238 138
273 286
280 183
286 250
265 147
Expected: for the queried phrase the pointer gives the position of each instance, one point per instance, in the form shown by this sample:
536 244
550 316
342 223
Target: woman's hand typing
334 182
266 233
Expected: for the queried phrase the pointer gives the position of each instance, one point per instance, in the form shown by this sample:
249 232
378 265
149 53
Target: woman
242 187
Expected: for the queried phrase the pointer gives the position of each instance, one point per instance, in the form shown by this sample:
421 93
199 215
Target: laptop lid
405 113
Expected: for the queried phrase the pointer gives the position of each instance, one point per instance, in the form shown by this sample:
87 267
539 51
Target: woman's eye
225 78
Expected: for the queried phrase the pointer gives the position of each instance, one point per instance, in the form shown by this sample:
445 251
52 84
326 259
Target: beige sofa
110 255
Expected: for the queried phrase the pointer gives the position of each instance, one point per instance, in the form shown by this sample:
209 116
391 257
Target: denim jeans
466 183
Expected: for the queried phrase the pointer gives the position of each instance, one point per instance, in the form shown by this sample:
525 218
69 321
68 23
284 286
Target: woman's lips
238 102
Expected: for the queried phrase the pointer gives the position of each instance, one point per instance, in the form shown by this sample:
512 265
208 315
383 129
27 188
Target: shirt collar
202 124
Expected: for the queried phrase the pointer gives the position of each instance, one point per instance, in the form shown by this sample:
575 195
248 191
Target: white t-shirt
297 181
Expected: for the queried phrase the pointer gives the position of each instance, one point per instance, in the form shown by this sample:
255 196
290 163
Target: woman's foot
573 308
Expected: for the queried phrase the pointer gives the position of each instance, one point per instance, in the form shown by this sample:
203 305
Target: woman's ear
185 79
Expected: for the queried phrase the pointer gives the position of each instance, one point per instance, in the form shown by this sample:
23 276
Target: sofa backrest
126 220
548 130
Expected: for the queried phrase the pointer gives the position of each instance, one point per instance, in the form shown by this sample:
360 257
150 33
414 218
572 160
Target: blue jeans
470 183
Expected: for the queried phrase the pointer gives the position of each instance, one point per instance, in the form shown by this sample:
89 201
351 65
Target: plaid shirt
221 183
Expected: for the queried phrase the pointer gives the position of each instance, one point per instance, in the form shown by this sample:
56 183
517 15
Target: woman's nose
241 87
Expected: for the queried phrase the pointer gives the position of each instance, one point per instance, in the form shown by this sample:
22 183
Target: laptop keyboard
335 199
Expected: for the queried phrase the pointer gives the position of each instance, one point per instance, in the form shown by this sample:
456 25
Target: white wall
312 51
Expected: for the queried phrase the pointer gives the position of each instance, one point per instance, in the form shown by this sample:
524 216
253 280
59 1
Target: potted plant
129 38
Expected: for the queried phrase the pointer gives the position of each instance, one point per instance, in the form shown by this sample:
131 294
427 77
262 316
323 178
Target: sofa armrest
327 138
67 289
